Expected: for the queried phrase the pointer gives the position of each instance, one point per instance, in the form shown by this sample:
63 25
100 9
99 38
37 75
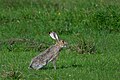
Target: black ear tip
51 32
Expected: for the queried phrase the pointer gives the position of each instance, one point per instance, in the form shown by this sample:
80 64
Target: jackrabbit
49 54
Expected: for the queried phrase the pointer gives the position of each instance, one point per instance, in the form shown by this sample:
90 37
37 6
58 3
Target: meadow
91 28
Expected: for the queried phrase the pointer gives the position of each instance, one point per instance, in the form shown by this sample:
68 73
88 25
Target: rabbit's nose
65 46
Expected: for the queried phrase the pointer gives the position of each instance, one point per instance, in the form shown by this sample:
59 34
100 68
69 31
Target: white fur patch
54 35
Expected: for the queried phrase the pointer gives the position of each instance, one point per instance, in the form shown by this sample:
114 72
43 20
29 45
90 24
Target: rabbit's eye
62 41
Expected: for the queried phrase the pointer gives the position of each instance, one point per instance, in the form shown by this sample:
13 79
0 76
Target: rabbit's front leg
54 63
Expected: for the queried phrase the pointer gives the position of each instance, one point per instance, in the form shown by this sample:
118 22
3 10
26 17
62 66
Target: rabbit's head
60 43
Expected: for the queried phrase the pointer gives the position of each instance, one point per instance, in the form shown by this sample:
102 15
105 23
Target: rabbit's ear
54 36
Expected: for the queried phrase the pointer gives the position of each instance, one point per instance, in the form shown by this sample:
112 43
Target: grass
83 24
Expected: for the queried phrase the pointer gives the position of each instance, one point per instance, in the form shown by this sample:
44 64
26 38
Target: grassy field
91 27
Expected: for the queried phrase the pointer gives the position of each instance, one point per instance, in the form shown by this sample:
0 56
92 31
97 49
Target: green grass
82 23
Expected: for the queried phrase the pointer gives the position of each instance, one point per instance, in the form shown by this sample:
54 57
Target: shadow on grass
63 67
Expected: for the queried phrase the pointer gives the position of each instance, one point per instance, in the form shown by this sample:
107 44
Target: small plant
11 73
83 46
